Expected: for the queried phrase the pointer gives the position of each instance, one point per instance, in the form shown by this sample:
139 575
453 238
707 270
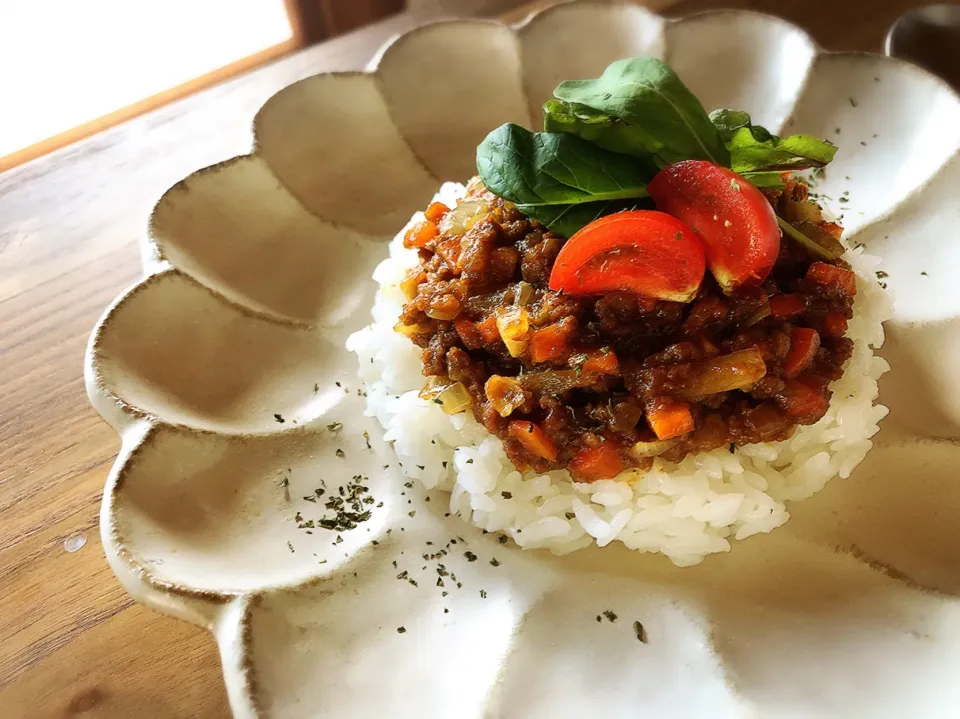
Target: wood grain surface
72 643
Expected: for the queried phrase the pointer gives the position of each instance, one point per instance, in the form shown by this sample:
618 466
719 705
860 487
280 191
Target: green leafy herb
597 127
755 149
557 178
610 615
279 418
648 95
401 630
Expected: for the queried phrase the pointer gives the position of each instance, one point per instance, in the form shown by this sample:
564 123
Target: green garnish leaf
557 178
597 127
755 149
647 94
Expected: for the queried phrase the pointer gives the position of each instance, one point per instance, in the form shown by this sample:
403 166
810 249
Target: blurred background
71 68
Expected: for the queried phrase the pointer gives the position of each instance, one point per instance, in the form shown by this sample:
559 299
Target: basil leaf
597 127
549 175
646 94
753 148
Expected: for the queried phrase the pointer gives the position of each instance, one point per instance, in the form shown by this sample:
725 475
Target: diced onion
410 286
444 308
464 216
524 293
514 327
505 394
760 314
652 449
453 398
410 330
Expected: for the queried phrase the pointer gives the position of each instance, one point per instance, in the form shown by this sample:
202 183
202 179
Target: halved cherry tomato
732 217
533 439
669 418
804 343
641 251
595 463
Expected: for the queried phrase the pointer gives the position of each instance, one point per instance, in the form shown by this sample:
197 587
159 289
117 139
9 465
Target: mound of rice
685 510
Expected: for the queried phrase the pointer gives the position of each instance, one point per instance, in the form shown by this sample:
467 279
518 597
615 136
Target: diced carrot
469 334
488 330
835 279
802 402
834 324
833 229
552 343
602 362
594 463
785 306
669 418
420 234
533 439
435 211
804 343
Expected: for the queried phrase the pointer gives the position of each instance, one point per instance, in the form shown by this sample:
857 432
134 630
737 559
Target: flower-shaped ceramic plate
225 373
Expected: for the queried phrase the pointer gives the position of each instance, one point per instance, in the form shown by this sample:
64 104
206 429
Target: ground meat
569 382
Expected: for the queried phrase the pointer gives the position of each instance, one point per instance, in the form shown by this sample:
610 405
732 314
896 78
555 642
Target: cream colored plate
257 270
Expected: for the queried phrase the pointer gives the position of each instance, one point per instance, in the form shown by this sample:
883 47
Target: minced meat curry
600 381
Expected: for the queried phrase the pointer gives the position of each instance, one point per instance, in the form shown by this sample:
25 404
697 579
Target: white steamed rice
685 510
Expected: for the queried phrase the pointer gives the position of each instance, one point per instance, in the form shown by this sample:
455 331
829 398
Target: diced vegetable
411 330
595 463
533 439
488 330
464 216
835 279
669 418
552 343
410 285
513 324
452 397
602 361
420 234
758 316
803 347
446 307
524 293
652 449
640 251
723 373
435 211
505 394
803 403
834 324
783 307
732 217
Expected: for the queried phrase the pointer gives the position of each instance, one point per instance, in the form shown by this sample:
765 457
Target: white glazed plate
256 271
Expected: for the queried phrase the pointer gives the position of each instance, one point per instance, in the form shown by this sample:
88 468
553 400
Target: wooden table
71 641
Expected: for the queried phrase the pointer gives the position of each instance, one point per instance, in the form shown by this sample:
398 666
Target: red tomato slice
645 252
731 216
